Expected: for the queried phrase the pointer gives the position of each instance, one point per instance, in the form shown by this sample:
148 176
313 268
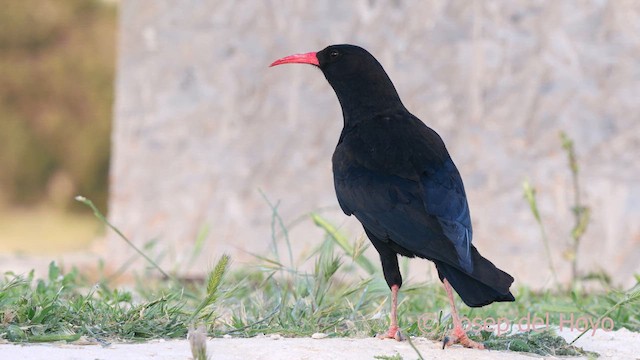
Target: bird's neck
362 99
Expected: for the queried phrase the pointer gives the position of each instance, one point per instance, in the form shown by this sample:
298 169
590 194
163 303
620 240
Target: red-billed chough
395 175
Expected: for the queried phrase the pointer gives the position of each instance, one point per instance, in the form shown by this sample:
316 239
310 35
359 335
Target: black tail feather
486 284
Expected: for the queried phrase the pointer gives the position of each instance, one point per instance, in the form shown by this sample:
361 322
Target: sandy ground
620 344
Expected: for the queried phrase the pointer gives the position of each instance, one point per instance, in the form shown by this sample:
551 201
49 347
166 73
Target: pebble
319 336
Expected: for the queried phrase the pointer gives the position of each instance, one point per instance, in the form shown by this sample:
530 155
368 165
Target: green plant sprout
581 213
530 195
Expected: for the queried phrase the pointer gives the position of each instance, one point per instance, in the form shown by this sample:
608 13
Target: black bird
395 175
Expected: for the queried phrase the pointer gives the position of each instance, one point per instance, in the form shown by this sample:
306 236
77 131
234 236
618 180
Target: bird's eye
334 54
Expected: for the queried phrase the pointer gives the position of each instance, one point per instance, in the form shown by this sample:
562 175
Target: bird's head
337 61
357 77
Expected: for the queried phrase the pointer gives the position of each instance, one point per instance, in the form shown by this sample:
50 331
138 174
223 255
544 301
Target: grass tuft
545 343
395 356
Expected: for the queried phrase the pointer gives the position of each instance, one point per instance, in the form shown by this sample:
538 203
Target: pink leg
458 335
394 330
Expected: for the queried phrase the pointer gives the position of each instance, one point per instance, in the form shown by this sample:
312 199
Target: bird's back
393 142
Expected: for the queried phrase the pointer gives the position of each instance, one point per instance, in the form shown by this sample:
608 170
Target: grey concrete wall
202 124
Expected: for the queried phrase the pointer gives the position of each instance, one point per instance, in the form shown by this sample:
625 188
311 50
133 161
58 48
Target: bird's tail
483 286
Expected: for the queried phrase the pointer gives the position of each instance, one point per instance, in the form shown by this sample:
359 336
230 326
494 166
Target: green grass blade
342 241
104 220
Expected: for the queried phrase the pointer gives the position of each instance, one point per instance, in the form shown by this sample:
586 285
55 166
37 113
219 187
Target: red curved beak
308 58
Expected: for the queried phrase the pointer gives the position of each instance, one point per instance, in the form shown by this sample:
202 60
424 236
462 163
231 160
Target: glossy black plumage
394 174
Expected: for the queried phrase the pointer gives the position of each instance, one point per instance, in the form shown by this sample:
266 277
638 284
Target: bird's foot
392 333
459 336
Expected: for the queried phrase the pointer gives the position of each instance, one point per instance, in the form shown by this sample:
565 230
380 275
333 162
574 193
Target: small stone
226 336
319 336
276 336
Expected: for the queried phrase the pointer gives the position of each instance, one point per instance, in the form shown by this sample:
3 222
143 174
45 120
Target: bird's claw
392 333
461 339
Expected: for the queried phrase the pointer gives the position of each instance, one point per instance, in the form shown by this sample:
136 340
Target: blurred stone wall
203 126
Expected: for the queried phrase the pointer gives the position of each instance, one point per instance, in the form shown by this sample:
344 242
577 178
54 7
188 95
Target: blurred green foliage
57 60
